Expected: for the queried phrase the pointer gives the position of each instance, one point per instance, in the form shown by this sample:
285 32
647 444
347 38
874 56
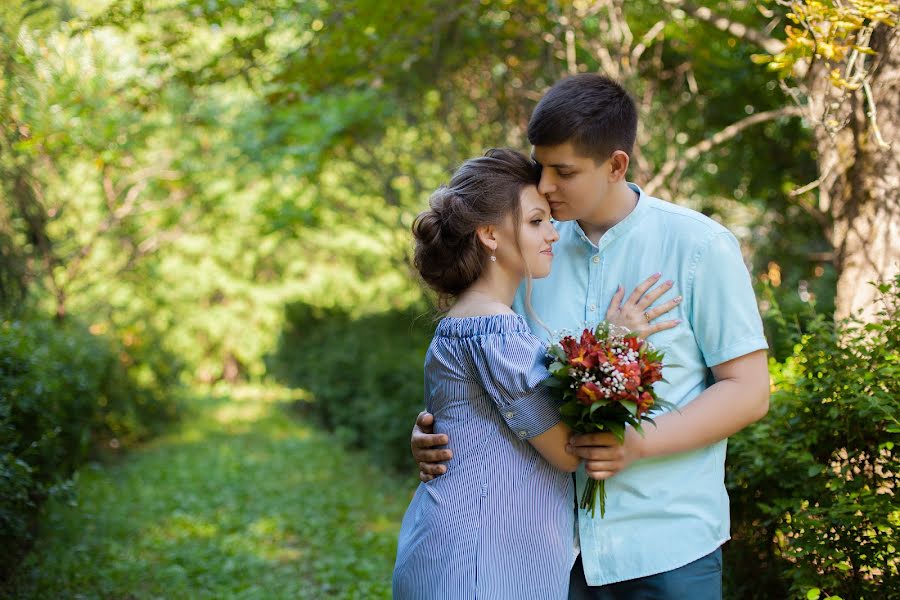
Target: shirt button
510 414
596 259
523 433
593 307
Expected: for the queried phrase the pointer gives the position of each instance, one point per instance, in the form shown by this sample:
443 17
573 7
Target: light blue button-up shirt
661 513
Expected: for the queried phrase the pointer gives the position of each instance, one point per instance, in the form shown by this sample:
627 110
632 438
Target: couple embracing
495 515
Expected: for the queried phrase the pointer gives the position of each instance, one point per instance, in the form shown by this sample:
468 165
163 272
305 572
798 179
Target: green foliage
63 391
241 501
813 484
365 373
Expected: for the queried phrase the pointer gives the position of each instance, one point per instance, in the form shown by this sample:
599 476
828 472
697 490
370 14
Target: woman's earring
493 258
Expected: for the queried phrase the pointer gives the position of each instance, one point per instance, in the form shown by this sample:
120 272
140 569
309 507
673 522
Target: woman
500 523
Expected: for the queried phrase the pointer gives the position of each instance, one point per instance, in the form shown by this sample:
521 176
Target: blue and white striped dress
500 522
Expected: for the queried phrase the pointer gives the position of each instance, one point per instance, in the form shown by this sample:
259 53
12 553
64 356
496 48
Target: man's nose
546 184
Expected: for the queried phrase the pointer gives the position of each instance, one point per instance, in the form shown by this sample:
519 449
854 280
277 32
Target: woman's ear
618 166
487 237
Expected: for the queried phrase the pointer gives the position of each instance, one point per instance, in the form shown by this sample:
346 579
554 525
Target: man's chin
561 215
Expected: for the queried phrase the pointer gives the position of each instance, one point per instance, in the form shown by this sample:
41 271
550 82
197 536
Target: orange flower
589 393
645 403
651 372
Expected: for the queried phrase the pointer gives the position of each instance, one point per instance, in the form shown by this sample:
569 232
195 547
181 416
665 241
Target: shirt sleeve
724 314
511 368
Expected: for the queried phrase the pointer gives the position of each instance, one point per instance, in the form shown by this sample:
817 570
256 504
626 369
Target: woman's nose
554 234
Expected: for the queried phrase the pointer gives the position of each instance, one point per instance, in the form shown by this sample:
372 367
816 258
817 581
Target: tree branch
718 138
738 30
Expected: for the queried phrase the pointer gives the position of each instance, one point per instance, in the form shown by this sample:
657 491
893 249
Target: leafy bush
365 374
63 391
813 484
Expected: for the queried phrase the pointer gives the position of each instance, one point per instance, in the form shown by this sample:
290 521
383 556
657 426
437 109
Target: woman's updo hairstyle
483 191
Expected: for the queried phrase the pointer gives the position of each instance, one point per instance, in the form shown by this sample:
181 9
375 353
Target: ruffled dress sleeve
511 368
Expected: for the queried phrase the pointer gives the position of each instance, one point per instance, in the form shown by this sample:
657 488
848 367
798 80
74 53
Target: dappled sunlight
242 412
180 526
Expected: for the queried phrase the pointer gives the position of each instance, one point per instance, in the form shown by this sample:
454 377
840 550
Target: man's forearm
739 397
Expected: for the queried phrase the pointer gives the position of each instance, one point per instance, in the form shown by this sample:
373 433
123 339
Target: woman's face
536 237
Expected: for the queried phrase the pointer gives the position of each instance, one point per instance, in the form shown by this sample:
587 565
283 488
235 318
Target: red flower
633 343
569 345
632 373
589 393
584 353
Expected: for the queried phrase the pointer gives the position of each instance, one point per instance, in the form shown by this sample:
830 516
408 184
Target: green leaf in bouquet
660 403
570 409
617 429
632 407
556 351
554 382
632 420
558 369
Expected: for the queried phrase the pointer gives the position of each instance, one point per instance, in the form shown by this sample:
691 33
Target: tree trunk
860 177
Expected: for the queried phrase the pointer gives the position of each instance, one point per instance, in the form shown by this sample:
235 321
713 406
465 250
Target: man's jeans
699 580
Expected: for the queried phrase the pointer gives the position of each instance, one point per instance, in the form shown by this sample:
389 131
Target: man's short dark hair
591 111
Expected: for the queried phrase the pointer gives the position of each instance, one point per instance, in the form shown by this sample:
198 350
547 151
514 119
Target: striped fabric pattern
500 523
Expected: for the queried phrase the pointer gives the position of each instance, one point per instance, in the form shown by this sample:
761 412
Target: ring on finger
647 316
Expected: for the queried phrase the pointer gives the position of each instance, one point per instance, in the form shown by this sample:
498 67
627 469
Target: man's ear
487 236
618 166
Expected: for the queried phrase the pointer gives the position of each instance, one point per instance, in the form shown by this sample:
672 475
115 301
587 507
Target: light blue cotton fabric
500 524
661 513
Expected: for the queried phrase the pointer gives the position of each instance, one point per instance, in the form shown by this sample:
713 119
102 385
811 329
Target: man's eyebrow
554 165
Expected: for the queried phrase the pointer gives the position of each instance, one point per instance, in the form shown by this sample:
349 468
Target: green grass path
242 501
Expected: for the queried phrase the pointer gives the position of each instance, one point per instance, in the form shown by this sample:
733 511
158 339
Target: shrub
62 392
365 374
813 484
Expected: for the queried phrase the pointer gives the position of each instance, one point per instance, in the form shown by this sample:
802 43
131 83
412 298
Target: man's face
574 185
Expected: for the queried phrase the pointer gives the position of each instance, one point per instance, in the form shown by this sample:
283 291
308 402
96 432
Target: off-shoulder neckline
482 325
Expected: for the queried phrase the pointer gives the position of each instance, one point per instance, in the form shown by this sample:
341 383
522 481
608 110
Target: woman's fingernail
669 282
679 299
678 322
657 275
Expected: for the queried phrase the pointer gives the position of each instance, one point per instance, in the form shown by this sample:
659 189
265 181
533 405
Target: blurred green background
211 338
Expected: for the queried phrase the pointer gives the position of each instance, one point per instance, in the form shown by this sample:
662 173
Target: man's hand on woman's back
423 442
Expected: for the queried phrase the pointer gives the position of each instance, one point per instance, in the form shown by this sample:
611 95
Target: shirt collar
620 228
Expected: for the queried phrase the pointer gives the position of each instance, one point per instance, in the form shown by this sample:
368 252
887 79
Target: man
666 508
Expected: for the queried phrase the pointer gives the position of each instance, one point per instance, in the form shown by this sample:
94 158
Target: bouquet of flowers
606 380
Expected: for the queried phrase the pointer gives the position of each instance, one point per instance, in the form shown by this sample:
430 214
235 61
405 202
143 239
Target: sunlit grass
241 502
